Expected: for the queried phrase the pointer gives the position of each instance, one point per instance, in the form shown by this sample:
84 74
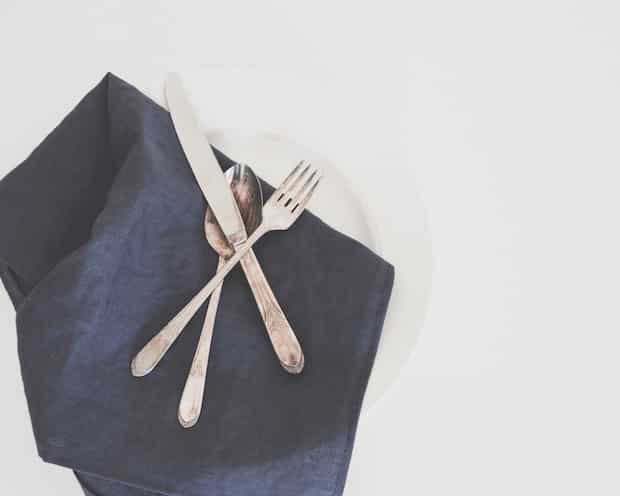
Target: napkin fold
101 243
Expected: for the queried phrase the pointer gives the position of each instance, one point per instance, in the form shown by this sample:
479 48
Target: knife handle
283 339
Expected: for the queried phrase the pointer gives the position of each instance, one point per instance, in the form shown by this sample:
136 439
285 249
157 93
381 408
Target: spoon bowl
248 194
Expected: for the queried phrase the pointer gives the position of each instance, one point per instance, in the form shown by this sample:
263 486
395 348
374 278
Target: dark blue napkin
101 243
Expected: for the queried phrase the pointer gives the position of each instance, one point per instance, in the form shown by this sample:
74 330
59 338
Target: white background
503 116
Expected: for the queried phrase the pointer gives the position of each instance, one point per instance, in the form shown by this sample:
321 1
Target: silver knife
203 163
221 201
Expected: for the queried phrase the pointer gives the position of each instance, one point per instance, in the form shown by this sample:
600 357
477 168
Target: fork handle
151 354
282 337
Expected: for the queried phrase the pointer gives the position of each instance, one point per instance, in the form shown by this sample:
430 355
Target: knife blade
203 163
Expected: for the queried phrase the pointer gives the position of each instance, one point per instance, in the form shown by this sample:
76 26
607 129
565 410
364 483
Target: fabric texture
101 243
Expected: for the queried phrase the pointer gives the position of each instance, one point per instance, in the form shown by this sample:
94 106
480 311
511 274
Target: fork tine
290 190
288 178
305 186
309 191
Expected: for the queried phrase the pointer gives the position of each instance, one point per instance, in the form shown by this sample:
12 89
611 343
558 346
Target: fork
282 209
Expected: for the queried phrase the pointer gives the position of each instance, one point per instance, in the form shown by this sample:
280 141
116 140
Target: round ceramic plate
251 115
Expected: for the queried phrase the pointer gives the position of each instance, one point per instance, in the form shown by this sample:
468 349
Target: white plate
251 115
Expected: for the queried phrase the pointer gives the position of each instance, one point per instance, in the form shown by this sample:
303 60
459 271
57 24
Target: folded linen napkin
101 243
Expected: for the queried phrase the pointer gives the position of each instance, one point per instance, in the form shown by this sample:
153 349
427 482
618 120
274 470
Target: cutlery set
235 219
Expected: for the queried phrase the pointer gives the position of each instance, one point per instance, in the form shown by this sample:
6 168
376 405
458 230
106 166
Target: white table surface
503 117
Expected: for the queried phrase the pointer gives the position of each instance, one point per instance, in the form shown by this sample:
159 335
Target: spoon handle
153 351
283 339
190 406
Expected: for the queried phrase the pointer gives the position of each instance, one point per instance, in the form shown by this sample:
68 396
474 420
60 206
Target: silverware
281 210
223 206
248 194
203 162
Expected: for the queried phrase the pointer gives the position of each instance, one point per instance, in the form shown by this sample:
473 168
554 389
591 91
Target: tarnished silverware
224 208
281 210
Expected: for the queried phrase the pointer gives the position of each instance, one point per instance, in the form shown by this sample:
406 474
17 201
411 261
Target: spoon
248 194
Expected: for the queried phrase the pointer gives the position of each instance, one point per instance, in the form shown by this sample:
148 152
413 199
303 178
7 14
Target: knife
216 190
204 165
